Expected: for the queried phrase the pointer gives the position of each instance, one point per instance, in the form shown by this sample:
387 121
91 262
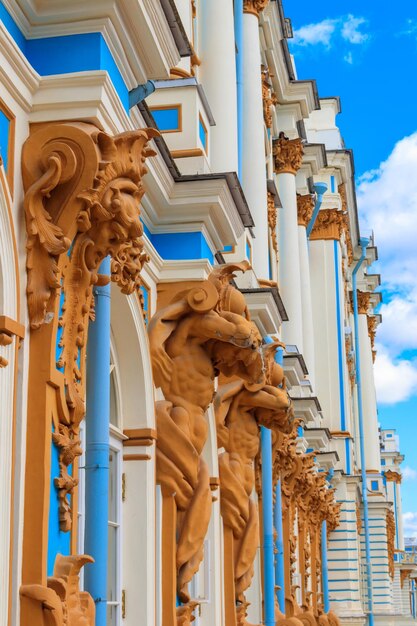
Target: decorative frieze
288 154
348 238
255 7
305 208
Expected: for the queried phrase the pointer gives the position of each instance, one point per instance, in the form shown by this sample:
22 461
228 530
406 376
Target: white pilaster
306 305
289 266
218 77
253 157
370 417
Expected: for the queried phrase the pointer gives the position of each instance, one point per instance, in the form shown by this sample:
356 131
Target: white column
253 154
305 210
289 266
218 77
369 408
399 516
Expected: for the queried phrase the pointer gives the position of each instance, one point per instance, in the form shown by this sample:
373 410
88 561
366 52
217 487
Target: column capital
364 300
329 224
288 155
305 208
254 7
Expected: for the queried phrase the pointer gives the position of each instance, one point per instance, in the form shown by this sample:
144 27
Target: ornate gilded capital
394 477
364 301
328 225
404 574
305 208
288 155
269 98
272 222
255 7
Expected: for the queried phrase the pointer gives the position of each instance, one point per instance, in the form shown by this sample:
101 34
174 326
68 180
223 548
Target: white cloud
312 34
351 32
409 473
387 201
411 28
348 58
410 524
346 27
395 380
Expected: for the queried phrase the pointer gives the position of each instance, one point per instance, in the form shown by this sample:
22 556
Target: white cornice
16 74
81 95
137 33
287 91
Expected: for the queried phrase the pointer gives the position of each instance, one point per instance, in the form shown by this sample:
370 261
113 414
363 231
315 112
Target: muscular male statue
186 340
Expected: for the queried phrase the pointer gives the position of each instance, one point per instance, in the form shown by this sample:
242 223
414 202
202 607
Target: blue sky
366 53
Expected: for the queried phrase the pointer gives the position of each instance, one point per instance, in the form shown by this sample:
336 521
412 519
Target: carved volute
82 194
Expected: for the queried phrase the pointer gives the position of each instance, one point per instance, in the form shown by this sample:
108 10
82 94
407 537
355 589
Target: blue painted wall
58 541
70 53
4 138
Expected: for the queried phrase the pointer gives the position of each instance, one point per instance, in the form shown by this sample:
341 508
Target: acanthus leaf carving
254 6
288 154
83 189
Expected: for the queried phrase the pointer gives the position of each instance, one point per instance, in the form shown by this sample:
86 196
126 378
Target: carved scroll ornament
82 194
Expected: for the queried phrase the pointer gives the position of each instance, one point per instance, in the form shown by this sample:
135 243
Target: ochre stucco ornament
203 331
60 603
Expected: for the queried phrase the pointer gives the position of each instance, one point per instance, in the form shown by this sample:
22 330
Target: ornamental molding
394 477
272 222
329 224
305 208
390 524
269 99
288 154
82 194
404 574
254 7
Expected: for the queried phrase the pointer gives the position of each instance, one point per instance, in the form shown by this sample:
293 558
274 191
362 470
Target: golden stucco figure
205 330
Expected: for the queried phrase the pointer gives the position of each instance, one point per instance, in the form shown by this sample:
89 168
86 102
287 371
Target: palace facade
189 429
